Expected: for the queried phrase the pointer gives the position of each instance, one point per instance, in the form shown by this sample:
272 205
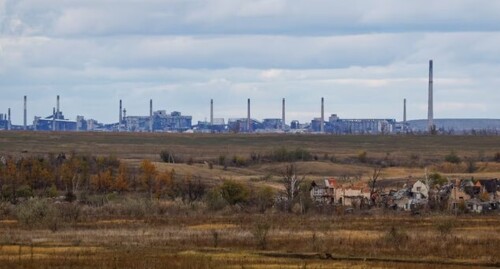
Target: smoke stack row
151 115
430 112
404 111
211 112
322 126
248 116
283 125
8 120
25 112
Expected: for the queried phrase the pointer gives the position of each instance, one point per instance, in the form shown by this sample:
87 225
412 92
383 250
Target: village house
352 196
324 191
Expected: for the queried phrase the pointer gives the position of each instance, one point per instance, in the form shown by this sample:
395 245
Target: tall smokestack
248 115
151 115
430 112
25 112
53 119
322 127
120 114
8 120
404 111
120 117
58 107
211 111
283 125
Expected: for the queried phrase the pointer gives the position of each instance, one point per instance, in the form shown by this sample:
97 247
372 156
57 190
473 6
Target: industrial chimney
25 112
248 116
211 111
120 114
430 112
151 115
8 120
322 126
57 114
53 119
404 111
283 125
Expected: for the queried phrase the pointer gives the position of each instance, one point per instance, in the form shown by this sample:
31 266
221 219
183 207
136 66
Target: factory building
336 125
54 122
173 122
217 125
272 124
4 122
243 125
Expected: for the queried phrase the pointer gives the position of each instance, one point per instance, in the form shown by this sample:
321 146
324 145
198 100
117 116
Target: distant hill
457 124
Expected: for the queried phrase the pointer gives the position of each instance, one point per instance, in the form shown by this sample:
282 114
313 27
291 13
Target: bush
438 179
260 233
239 161
214 200
234 192
169 157
471 166
445 227
263 198
396 238
284 155
363 157
38 213
137 208
496 157
452 157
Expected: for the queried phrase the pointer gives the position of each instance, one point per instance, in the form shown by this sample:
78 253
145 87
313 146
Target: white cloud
363 56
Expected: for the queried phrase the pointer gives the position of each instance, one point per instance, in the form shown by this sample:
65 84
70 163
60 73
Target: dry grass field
146 145
175 234
229 241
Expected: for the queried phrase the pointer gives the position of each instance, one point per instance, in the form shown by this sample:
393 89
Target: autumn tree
102 181
164 182
148 176
121 182
10 180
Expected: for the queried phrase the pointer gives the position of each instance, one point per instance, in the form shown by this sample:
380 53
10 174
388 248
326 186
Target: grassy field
292 242
146 145
412 152
176 234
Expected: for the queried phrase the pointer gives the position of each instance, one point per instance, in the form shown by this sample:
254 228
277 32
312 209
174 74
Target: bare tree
291 183
373 182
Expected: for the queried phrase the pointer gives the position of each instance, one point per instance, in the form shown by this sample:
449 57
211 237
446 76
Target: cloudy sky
362 56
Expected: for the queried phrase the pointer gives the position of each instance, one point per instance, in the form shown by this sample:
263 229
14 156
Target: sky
364 57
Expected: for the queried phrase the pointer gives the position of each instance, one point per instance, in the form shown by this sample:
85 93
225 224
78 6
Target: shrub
234 192
445 227
168 157
264 198
496 157
452 157
438 179
260 233
471 166
214 200
363 157
222 159
396 238
239 161
38 213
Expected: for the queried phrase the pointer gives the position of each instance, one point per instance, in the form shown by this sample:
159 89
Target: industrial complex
175 121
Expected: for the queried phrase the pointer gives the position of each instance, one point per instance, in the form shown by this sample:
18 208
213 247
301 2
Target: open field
106 228
292 242
146 145
408 154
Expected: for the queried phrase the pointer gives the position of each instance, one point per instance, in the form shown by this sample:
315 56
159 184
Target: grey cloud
301 17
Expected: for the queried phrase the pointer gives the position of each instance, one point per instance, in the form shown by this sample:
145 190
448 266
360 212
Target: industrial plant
175 121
